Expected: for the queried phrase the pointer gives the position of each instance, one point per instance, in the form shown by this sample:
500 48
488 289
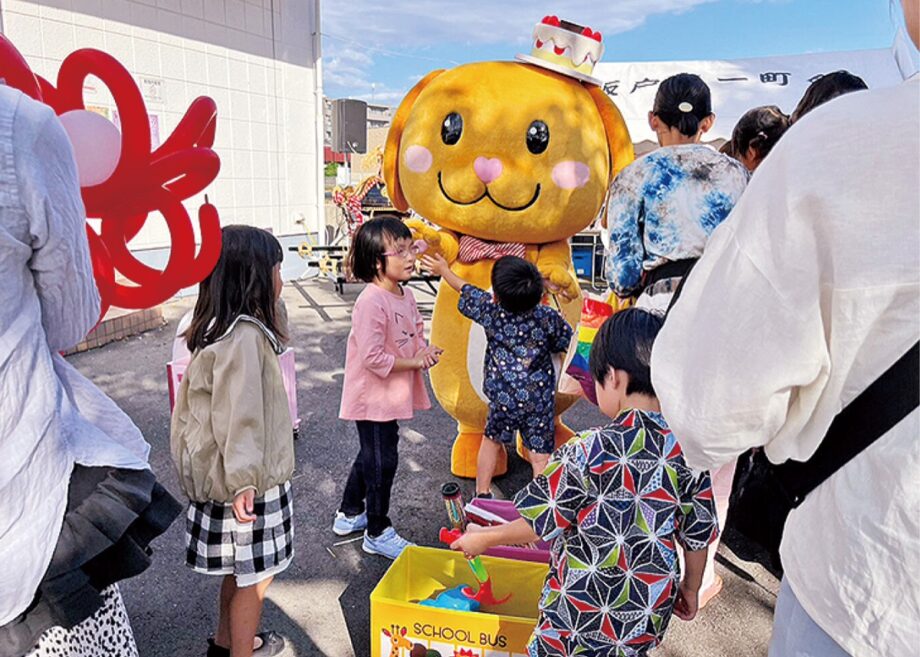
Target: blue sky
377 50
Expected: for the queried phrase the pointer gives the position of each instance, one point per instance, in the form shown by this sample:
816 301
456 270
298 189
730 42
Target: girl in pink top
384 360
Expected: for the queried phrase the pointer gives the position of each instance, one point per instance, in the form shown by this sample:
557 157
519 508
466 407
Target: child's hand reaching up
435 264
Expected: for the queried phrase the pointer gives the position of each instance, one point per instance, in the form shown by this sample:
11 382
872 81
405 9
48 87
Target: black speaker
349 126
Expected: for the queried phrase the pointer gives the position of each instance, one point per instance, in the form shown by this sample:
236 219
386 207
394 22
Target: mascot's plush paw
422 231
560 281
464 453
563 433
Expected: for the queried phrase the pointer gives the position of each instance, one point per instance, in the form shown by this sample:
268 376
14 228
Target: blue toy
453 599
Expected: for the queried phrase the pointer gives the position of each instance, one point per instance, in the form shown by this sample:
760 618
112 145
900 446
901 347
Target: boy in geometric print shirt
614 502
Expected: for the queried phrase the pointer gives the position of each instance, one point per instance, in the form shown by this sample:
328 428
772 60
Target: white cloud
358 30
409 24
383 97
350 55
344 78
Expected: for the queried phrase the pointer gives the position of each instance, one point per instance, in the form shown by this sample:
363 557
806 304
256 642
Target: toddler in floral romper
519 380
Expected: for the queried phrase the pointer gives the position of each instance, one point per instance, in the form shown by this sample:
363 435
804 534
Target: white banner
738 85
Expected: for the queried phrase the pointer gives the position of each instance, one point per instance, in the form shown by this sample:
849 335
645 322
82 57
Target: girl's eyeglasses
417 247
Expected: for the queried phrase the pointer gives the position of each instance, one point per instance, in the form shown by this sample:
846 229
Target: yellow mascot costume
505 158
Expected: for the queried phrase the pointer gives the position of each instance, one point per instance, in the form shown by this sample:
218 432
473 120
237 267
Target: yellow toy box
398 622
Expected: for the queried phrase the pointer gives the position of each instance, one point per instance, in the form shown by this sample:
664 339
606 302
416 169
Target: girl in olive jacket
231 438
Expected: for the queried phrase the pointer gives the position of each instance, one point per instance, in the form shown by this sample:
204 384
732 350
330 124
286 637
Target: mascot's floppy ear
394 136
618 139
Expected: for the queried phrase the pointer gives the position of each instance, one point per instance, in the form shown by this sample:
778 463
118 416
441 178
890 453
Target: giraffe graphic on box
397 637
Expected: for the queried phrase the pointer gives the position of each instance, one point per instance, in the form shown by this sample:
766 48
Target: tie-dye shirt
664 206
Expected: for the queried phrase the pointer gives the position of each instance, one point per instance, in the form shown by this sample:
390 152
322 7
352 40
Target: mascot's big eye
537 137
452 128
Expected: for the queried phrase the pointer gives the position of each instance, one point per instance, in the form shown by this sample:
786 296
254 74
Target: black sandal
272 644
215 650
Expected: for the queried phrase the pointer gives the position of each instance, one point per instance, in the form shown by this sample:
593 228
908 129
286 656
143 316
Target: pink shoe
711 591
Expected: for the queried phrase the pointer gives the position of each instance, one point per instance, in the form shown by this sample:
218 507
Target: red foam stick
448 536
484 595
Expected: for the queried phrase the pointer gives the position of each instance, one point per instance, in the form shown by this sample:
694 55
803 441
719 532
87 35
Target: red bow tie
473 249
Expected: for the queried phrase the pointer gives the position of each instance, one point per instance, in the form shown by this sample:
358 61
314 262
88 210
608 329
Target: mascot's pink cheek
419 159
571 174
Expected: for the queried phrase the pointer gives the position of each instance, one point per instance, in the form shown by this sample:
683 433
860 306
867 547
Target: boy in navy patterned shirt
522 336
615 502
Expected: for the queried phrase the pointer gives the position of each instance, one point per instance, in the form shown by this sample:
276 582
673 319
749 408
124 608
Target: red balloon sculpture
143 181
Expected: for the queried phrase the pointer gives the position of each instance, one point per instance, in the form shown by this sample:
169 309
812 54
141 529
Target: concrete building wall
379 116
327 121
258 59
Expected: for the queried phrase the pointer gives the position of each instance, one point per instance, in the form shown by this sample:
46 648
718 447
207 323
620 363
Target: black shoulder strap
680 286
889 399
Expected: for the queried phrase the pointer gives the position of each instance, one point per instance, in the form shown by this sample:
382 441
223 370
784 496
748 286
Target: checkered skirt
219 545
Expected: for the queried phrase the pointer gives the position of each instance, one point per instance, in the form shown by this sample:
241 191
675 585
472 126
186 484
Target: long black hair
826 88
682 102
760 128
624 342
240 284
365 258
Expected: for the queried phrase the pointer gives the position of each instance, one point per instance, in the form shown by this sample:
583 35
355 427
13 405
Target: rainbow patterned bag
594 312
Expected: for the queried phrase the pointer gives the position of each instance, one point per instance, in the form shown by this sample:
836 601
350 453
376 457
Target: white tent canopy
741 84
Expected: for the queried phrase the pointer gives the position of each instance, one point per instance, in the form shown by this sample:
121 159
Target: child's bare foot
711 591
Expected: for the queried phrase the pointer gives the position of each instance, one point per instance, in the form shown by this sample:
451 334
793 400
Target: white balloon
96 145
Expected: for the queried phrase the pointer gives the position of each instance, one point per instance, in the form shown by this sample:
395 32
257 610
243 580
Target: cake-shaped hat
565 48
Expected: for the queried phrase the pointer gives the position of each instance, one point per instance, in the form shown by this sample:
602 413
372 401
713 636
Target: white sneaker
389 544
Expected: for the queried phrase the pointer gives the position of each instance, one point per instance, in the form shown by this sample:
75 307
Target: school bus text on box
398 621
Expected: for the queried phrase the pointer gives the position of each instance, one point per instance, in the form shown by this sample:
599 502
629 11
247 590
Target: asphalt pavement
321 603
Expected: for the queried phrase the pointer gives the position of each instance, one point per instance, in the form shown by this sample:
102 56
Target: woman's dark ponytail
688 124
682 102
760 128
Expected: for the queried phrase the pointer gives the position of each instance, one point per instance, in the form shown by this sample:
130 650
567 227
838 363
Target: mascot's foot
522 451
563 433
464 453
